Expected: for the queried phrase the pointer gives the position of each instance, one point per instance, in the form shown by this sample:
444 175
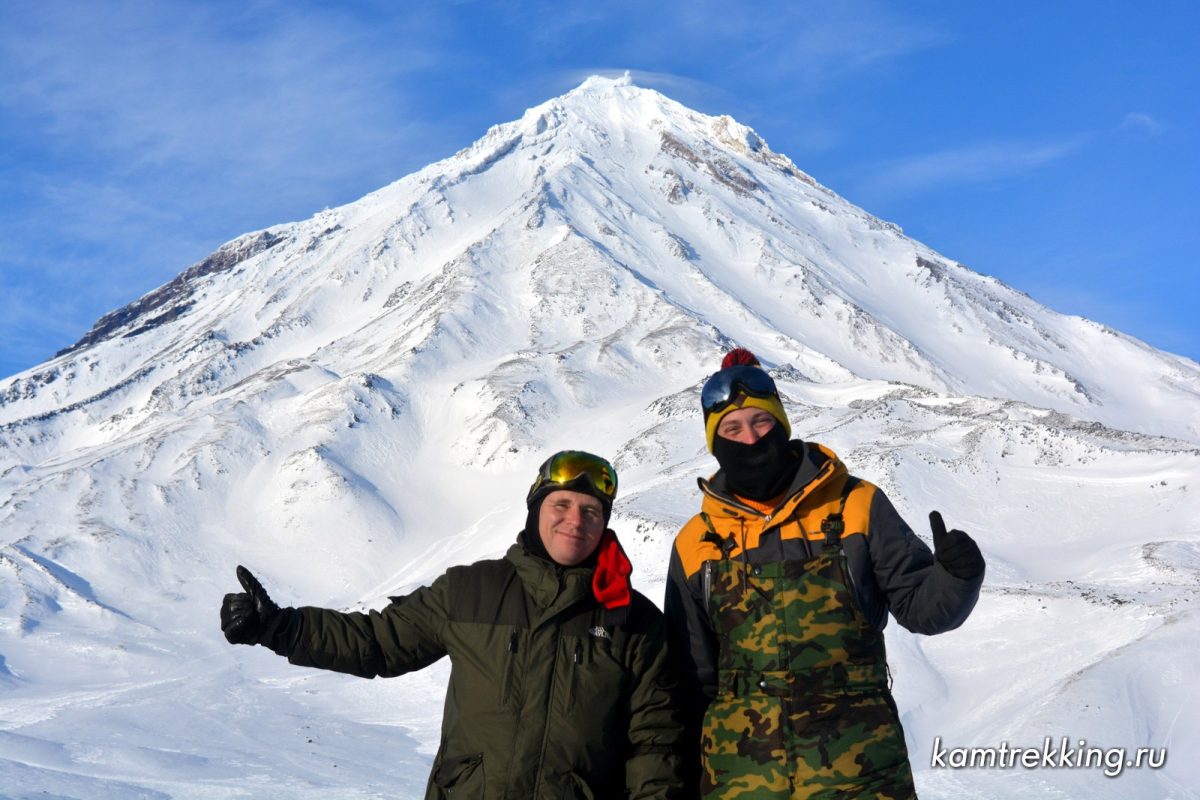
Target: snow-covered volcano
351 403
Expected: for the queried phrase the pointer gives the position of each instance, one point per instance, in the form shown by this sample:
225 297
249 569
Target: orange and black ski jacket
889 567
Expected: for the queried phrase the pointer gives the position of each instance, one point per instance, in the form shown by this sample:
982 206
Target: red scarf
610 584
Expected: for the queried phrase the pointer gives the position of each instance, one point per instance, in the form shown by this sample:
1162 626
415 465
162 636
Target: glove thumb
955 550
936 525
263 603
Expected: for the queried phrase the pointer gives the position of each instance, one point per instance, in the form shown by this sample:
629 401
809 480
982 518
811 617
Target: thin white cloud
797 44
555 23
1144 123
980 163
194 86
33 324
89 212
730 52
809 45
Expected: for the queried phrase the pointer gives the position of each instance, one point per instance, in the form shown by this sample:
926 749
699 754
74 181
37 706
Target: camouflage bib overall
803 708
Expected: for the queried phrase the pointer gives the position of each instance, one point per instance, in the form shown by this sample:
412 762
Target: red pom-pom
740 357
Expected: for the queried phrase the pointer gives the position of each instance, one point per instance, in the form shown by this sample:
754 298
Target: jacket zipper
537 784
707 489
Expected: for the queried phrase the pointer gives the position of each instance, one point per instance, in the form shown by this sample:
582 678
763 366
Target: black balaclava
758 471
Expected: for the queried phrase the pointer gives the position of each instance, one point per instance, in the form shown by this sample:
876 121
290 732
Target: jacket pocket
593 671
510 668
576 668
459 776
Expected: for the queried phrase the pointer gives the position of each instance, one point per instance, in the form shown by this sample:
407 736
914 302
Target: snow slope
351 403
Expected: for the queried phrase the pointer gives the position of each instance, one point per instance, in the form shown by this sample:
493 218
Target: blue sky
1054 145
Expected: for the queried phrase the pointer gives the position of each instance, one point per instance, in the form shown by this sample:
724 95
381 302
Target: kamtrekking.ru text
1051 755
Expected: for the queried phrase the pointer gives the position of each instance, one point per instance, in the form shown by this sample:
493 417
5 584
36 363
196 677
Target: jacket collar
818 465
550 586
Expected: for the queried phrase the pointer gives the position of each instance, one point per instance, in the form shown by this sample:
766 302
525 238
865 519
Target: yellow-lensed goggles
573 469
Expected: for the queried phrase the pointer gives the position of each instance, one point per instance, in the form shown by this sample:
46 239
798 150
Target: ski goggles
573 469
725 386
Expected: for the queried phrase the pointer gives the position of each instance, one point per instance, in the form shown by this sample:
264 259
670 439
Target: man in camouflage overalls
777 594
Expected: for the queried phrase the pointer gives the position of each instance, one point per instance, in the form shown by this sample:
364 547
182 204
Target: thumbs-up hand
955 550
246 616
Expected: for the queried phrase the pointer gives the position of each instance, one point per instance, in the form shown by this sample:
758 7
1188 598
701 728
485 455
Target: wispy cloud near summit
980 163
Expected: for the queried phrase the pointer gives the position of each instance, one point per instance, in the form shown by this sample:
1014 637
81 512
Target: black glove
955 551
252 617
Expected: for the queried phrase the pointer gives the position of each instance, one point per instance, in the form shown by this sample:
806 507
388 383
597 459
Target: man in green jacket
558 682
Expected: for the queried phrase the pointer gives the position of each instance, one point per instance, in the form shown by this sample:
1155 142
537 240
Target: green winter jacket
549 696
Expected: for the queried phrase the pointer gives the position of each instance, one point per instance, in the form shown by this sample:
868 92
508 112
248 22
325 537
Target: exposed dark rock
177 292
28 387
134 378
721 169
681 248
154 322
671 144
936 271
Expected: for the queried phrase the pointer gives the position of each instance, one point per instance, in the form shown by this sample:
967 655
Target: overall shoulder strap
834 524
724 543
